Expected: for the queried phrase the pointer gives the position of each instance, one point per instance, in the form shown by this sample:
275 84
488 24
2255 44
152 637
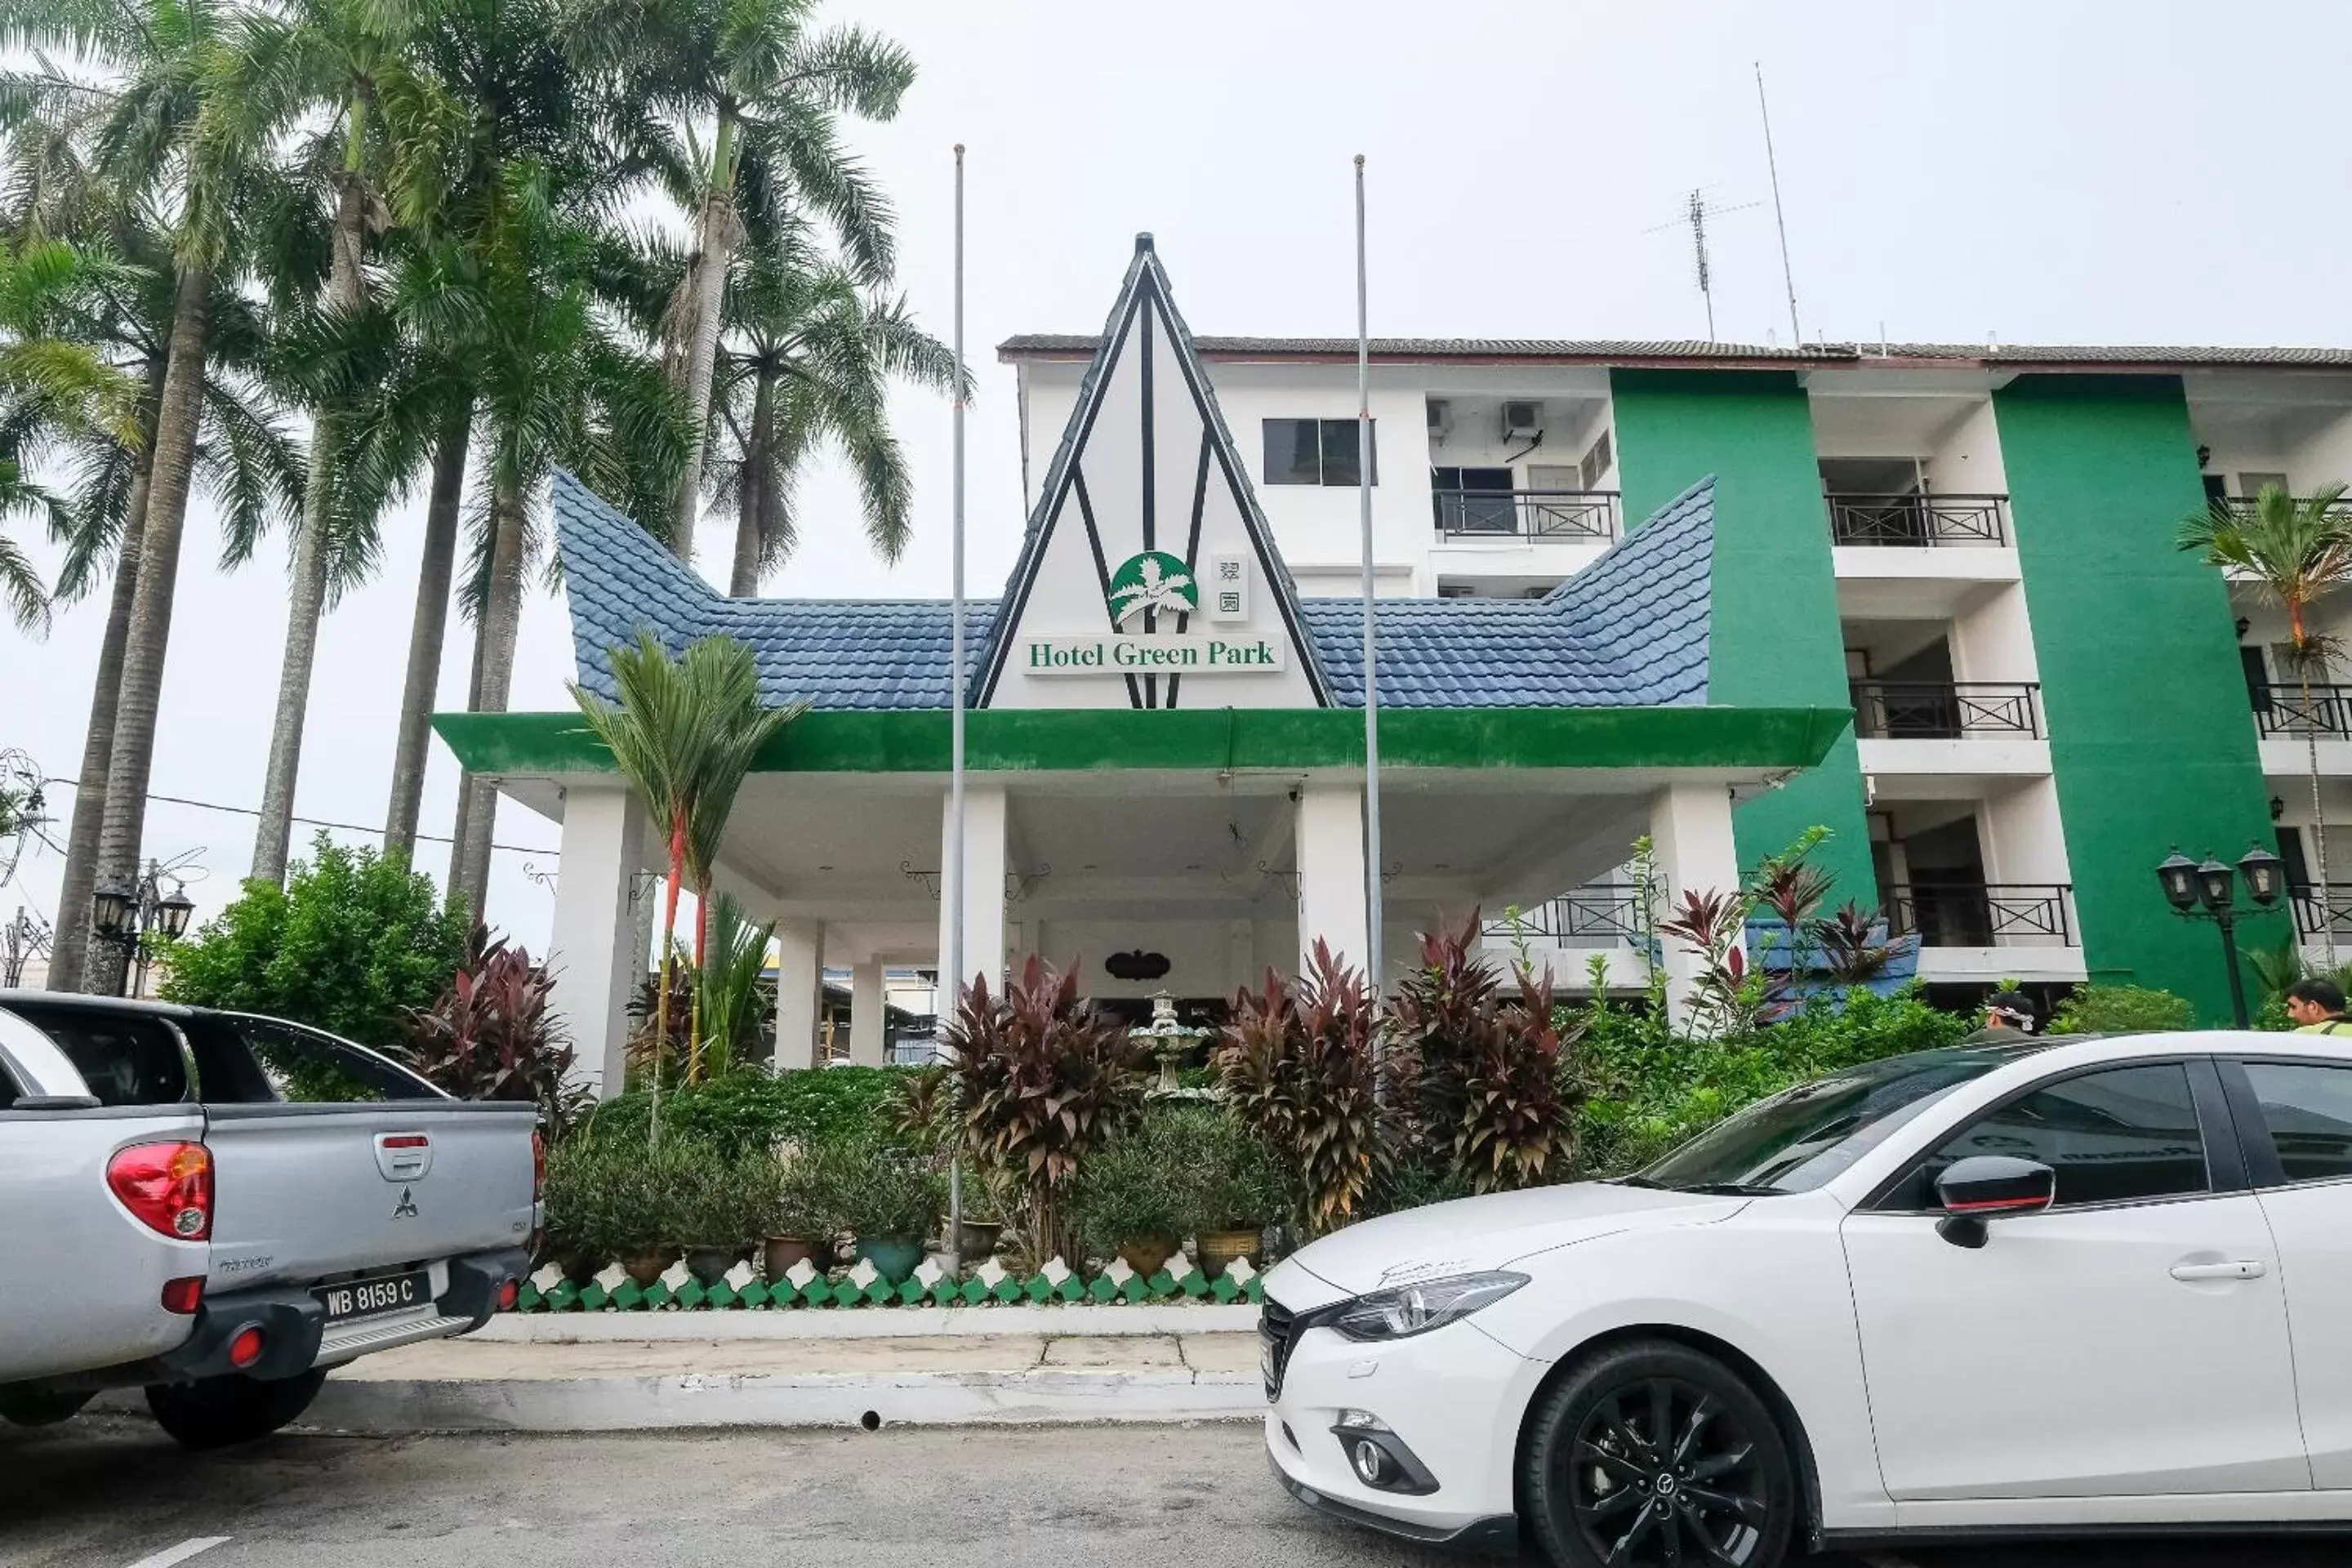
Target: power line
309 821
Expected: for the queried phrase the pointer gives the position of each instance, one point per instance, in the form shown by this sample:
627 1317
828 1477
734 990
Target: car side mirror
1988 1186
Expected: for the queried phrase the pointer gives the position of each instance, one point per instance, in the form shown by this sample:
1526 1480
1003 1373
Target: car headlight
1412 1309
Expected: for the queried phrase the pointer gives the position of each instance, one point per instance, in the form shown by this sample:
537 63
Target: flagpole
1364 459
951 876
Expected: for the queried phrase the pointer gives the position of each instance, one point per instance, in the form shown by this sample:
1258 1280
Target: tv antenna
1695 212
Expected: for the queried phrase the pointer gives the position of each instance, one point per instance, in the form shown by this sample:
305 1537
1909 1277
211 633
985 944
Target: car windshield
1805 1136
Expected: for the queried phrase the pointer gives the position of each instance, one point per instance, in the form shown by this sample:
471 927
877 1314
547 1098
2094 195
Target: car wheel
35 1407
214 1412
1649 1455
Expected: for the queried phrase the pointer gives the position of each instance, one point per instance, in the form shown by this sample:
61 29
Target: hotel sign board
1168 653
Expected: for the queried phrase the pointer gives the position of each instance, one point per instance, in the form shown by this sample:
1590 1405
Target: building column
593 947
1331 873
1690 834
983 873
867 1032
800 991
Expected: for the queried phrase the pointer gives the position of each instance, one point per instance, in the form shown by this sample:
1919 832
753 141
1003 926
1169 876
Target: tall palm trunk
715 232
313 552
464 776
69 949
470 877
132 756
751 502
428 627
669 948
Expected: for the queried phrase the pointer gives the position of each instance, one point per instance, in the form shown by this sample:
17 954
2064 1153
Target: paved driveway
112 1493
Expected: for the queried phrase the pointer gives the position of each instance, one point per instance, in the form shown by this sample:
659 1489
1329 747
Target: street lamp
136 919
2207 890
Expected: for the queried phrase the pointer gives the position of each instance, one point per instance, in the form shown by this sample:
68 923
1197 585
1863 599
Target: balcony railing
2244 505
1943 711
1527 514
2307 922
2285 711
1912 522
1601 915
1972 914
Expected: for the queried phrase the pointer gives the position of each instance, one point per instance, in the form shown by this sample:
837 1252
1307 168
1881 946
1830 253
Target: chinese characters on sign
1228 589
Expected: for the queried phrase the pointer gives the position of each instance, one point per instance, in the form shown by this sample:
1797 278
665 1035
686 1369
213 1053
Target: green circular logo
1153 579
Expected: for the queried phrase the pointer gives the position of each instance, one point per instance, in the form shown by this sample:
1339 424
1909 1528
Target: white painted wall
1199 953
1991 637
2022 836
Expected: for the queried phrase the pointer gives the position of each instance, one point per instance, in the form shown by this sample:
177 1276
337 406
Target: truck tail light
167 1187
182 1297
538 1166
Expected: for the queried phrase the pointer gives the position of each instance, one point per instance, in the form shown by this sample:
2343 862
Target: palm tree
278 69
2293 553
808 360
770 91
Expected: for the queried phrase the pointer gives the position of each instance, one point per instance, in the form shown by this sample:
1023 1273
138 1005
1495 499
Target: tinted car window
307 1069
125 1058
2117 1136
2308 1110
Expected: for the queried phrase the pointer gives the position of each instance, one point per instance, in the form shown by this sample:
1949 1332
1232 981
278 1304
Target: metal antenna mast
1695 212
1779 217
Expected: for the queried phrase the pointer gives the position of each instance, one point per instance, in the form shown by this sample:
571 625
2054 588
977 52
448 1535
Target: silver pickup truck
219 1208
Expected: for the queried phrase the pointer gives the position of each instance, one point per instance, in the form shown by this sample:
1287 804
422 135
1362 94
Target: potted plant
615 1199
798 1228
1131 1199
1239 1189
722 1207
889 1198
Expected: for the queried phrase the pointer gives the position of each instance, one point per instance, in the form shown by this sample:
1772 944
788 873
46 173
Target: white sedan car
2051 1287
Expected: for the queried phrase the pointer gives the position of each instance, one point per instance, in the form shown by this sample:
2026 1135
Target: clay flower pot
1147 1254
709 1265
895 1258
1218 1248
781 1252
980 1239
646 1267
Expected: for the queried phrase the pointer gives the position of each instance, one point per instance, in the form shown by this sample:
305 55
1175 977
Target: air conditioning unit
1441 417
1522 420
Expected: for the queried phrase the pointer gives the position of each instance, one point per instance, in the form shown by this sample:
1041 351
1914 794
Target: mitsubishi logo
407 1207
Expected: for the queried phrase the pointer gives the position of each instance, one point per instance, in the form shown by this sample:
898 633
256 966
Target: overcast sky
2142 171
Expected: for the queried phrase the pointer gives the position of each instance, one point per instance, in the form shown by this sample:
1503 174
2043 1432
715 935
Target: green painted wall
1775 641
2150 736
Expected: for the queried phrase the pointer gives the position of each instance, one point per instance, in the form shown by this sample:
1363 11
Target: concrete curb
664 1403
882 1322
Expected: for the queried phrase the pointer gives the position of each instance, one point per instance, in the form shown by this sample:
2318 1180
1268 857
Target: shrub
490 1036
728 1000
752 1108
1300 1070
730 1200
2121 1009
1047 1078
874 1188
351 945
1182 1170
609 1201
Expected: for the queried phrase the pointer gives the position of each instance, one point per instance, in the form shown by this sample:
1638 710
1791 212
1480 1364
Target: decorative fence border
861 1285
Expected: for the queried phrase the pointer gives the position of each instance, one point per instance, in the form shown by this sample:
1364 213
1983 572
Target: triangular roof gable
1144 315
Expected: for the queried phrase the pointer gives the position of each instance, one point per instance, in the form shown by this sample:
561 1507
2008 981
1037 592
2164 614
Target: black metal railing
1919 521
1973 914
2308 921
1600 915
1527 514
2244 505
1943 711
2283 709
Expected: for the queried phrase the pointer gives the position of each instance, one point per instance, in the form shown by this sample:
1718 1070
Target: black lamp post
133 917
2206 890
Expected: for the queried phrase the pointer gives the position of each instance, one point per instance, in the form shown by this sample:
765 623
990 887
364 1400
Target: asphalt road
114 1494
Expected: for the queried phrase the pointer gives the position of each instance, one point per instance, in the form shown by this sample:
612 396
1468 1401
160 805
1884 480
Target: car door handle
2240 1269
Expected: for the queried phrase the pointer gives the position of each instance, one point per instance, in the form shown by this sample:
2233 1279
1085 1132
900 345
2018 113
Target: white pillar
592 946
800 991
983 903
1332 872
1690 833
867 1032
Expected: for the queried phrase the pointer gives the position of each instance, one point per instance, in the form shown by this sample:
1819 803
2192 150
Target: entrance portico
1168 814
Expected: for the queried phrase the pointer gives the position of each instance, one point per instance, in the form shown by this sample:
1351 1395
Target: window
123 1059
1315 452
301 1068
2308 1110
2118 1136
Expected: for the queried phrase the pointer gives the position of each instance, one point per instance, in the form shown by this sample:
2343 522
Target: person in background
2008 1017
2317 1007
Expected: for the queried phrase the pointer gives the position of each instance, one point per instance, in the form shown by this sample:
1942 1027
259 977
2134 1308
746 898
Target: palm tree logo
1154 579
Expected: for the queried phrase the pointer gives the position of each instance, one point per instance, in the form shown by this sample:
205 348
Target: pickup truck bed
188 1196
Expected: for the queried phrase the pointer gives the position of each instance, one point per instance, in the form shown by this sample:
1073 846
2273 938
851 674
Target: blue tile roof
1631 630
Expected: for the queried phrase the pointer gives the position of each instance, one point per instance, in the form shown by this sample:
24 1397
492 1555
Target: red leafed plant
1299 1069
1488 1095
490 1035
1046 1078
1727 996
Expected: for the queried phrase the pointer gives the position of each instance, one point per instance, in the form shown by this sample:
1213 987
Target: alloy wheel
1662 1473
